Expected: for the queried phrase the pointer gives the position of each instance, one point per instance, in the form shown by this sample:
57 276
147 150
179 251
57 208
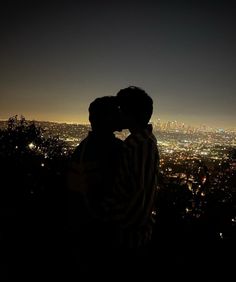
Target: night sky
58 56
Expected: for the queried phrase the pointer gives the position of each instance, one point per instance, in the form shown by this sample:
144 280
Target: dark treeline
32 200
194 230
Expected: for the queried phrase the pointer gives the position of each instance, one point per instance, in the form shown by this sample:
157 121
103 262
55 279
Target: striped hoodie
135 188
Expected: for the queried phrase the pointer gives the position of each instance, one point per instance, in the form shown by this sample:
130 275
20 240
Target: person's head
136 107
104 114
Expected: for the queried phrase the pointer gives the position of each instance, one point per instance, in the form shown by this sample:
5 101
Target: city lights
31 146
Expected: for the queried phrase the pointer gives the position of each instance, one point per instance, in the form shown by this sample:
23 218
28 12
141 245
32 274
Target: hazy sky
57 56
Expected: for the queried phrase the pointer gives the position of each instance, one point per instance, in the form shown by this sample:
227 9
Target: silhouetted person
136 182
91 176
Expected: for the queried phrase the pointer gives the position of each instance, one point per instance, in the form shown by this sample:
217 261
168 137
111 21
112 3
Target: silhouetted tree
32 166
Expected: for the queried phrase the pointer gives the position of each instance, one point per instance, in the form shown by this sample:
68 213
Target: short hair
135 101
104 113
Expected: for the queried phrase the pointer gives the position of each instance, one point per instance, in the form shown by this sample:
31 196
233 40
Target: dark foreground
44 251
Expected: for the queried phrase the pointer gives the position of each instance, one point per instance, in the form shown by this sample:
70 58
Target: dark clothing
114 191
90 179
136 187
97 156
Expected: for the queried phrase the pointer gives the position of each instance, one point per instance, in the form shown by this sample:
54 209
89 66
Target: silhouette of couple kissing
113 183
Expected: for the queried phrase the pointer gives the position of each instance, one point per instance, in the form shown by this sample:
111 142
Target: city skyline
58 56
158 124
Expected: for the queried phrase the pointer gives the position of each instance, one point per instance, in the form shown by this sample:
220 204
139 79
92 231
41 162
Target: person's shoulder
153 138
133 140
148 134
144 139
78 149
